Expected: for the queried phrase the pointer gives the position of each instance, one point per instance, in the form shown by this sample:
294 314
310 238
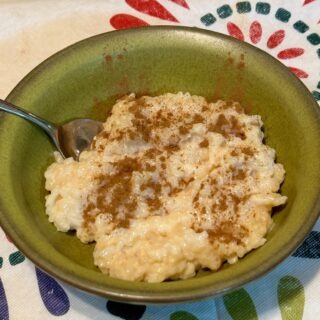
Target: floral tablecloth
32 30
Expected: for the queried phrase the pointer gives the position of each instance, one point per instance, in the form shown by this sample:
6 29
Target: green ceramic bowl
86 78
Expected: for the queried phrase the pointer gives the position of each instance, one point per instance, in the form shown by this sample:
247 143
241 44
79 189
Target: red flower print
181 3
152 8
274 40
235 31
299 73
290 53
124 21
307 2
255 32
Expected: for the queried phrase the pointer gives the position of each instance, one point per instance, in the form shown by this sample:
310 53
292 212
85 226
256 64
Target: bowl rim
174 297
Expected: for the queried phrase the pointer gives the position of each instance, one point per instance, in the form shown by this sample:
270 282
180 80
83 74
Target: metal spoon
70 139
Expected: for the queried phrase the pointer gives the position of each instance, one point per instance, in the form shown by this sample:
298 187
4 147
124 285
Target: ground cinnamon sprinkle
229 232
120 187
172 184
204 143
239 174
197 119
247 151
184 129
227 127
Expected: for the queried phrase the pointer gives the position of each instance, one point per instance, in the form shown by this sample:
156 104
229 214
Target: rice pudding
171 185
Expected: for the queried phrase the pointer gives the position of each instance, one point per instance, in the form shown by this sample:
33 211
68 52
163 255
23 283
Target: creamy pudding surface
172 184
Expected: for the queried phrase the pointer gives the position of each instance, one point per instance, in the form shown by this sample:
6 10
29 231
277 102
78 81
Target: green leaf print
291 298
240 305
182 315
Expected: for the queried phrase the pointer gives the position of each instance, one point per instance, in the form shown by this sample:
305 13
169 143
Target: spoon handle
48 127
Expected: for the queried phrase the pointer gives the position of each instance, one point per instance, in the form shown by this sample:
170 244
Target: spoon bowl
70 138
76 136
